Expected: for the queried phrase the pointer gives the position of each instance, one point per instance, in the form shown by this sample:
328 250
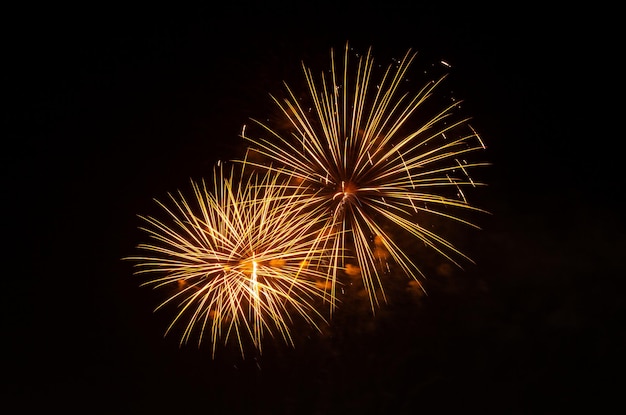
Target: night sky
109 108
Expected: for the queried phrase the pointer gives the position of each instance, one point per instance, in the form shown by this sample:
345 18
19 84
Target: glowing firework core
345 191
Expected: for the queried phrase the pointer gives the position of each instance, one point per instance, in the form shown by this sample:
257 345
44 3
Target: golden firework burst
243 257
372 155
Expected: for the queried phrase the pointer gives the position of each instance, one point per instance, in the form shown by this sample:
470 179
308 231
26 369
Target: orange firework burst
372 156
243 256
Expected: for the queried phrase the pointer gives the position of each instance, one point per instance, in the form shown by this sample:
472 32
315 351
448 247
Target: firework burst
375 159
242 257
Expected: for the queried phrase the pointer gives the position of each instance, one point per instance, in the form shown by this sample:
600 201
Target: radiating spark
478 137
242 256
465 171
458 188
374 156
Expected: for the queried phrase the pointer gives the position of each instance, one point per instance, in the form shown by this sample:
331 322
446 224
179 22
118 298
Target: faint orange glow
445 270
415 287
181 283
352 270
247 267
277 262
363 293
381 253
349 188
324 284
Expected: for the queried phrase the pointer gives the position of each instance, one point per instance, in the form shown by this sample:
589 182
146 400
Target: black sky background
109 108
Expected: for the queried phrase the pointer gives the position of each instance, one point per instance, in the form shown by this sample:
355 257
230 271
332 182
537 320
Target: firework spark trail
374 157
245 254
